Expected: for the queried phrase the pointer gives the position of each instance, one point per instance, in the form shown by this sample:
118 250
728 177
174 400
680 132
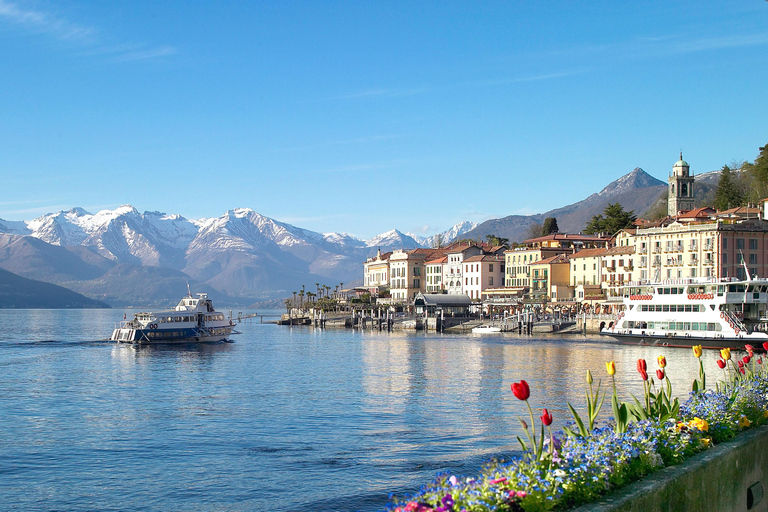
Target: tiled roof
484 257
566 237
560 258
589 253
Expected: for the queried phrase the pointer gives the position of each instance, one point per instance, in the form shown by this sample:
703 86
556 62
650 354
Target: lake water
284 419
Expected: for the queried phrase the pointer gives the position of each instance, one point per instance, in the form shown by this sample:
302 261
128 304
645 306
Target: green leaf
580 423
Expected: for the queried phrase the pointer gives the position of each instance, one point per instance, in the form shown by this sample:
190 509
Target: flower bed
584 461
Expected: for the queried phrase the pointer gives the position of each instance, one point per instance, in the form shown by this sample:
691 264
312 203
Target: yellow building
407 273
550 279
376 272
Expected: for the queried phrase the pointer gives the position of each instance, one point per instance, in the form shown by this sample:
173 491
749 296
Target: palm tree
293 304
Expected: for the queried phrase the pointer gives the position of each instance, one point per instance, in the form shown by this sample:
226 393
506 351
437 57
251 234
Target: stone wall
730 477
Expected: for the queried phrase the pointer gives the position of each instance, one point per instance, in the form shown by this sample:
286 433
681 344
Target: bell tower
680 196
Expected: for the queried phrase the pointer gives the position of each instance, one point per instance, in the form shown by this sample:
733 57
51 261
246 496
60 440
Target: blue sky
365 116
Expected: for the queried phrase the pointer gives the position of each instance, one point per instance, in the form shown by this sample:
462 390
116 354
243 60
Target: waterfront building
434 274
550 279
453 281
376 272
519 259
407 272
587 274
714 248
482 271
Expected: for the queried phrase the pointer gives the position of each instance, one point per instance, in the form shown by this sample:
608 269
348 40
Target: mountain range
124 257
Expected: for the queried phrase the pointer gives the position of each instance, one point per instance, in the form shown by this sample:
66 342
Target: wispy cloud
45 23
85 37
718 43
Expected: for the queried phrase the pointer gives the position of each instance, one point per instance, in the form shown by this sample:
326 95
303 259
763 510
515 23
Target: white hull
486 329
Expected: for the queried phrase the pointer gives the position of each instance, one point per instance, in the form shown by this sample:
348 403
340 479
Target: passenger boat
714 313
192 320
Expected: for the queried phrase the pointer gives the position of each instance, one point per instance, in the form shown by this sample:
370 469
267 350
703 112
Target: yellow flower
765 414
610 367
699 424
744 422
705 441
725 353
697 350
662 361
589 378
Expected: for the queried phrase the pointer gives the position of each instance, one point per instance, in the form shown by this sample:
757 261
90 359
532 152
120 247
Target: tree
727 194
758 174
550 226
613 220
533 231
496 240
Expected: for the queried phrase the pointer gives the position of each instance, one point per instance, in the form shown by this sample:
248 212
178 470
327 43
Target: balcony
656 263
642 250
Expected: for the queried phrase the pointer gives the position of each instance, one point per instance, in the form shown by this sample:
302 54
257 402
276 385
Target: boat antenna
744 262
189 292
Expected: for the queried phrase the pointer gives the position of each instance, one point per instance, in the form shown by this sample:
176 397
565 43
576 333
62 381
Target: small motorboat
486 329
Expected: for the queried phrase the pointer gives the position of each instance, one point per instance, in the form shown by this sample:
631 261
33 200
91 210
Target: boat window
712 327
688 308
665 308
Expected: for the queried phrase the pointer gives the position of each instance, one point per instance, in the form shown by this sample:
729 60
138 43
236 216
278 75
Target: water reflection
350 416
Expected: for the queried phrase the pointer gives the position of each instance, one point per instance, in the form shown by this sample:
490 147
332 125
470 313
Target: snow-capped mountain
446 237
393 239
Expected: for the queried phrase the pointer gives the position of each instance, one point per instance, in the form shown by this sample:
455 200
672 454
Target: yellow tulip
589 377
697 350
699 424
725 353
662 361
610 367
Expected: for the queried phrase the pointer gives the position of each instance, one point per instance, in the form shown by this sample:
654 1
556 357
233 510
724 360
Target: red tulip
759 360
765 346
643 375
546 418
721 363
746 359
741 364
521 390
749 348
660 374
641 366
742 371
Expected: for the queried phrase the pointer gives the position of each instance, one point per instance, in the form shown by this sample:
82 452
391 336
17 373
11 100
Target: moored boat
714 313
486 329
194 319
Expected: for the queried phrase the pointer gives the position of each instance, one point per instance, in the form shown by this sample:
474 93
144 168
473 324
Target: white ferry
714 313
193 320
